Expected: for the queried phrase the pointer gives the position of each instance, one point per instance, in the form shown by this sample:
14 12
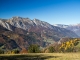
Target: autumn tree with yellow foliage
68 46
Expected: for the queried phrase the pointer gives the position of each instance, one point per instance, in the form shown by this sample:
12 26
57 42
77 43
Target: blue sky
51 11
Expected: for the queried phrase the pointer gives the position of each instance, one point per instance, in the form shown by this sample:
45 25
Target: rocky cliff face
26 23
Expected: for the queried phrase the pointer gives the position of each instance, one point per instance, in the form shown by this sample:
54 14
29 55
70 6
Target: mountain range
75 28
18 32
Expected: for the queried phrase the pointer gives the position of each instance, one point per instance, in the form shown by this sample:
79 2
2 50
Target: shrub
1 51
33 49
51 49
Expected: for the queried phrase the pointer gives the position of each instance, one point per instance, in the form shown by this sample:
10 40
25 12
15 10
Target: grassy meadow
41 56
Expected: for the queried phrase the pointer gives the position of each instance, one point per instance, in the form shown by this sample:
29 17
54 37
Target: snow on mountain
75 28
5 24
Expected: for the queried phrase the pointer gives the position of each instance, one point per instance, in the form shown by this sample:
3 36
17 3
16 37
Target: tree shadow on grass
27 57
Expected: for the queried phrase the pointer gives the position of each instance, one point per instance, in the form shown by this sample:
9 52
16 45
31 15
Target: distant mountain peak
73 27
16 17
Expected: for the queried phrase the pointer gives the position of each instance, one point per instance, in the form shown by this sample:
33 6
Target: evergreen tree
33 49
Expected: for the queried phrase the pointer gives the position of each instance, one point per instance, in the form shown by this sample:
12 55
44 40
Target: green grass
41 56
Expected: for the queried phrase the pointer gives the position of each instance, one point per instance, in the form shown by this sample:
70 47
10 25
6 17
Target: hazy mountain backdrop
75 28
